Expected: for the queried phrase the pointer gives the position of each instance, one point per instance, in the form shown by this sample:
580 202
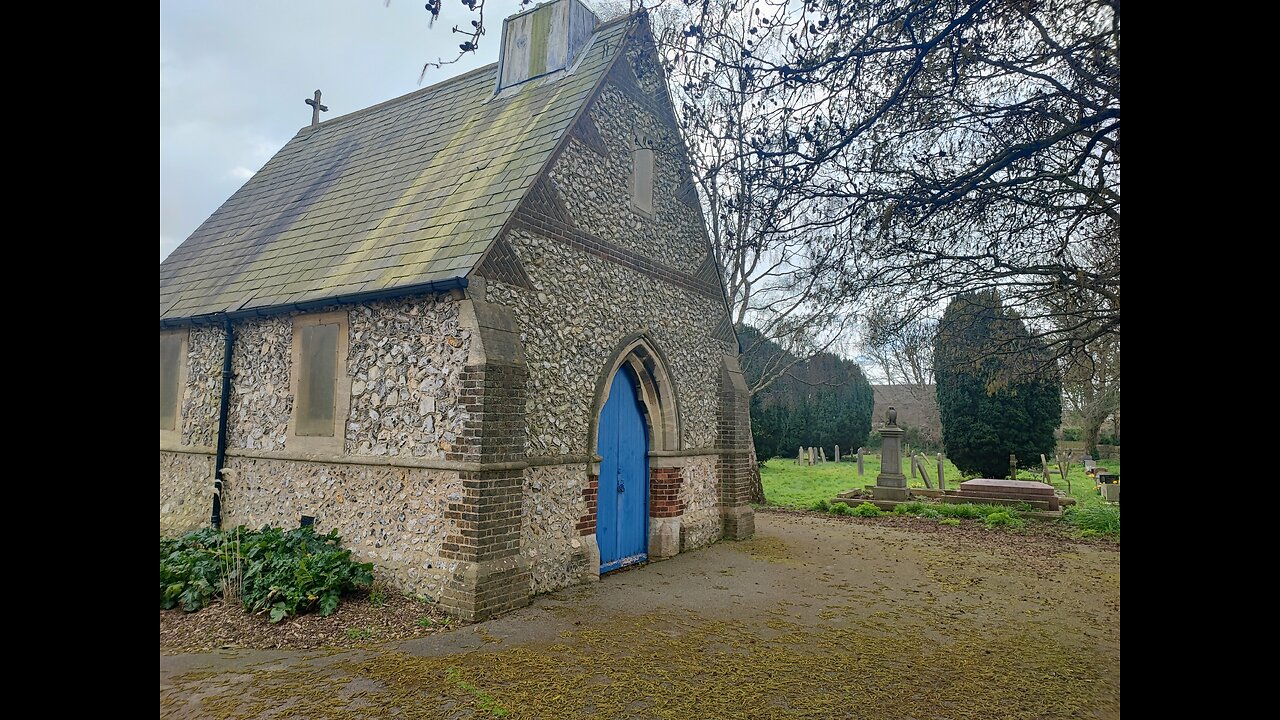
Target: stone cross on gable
316 109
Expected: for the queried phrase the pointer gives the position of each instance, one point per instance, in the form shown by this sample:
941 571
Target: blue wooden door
622 510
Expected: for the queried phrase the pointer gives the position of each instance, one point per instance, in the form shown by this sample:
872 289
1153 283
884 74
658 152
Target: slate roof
408 192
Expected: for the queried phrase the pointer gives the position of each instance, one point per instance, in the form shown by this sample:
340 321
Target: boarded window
642 180
171 359
317 376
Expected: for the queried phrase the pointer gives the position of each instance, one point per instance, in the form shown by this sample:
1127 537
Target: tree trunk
757 487
1092 429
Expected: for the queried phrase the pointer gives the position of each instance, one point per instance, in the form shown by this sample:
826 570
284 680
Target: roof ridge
398 99
435 86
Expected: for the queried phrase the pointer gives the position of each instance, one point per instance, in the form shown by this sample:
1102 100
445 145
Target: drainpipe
215 519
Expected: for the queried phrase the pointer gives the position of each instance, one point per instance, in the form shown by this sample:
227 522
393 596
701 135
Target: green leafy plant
280 572
924 510
377 596
841 509
949 521
966 511
1094 518
359 633
866 509
426 622
191 569
821 506
1002 518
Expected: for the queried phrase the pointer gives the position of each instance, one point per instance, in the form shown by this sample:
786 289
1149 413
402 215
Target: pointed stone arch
657 390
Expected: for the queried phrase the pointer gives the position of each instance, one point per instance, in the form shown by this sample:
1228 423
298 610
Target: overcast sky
234 74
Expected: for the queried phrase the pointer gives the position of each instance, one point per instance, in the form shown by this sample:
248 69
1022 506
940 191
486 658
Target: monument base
881 492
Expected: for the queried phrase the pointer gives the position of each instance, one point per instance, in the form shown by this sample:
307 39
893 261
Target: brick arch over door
661 405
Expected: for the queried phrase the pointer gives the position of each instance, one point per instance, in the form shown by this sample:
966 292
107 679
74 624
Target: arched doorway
622 505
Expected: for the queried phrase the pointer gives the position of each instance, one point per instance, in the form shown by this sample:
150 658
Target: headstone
837 453
1013 466
918 461
891 484
913 463
942 483
813 456
822 454
800 456
860 469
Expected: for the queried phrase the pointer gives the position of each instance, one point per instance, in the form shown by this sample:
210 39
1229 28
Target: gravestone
860 472
942 483
813 456
800 456
891 484
1110 492
822 454
917 461
837 453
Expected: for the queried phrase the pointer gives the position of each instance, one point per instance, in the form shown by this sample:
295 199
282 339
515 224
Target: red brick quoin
664 497
664 492
587 523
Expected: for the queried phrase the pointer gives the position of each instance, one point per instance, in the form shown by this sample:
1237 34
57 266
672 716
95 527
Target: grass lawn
791 485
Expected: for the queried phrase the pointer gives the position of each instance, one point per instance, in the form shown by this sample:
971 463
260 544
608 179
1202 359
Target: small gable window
642 181
321 388
173 365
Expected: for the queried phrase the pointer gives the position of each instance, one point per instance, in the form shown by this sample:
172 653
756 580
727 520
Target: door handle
621 488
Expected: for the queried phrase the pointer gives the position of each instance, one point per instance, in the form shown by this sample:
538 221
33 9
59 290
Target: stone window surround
174 436
639 143
335 445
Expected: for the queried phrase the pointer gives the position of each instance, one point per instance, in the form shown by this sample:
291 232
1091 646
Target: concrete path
814 618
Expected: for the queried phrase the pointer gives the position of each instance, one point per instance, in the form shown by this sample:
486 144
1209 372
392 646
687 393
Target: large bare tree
943 147
914 149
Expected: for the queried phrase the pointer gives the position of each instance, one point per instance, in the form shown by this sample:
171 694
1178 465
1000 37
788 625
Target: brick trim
585 131
503 265
493 396
664 492
591 495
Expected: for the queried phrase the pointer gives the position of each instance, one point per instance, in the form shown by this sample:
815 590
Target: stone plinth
891 484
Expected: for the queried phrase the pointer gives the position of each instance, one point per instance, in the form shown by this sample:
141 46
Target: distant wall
1076 447
917 407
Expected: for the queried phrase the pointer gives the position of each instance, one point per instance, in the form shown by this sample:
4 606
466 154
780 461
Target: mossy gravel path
816 617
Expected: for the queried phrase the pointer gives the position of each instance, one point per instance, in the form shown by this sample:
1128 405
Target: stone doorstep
1047 504
927 492
1062 499
889 505
886 505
